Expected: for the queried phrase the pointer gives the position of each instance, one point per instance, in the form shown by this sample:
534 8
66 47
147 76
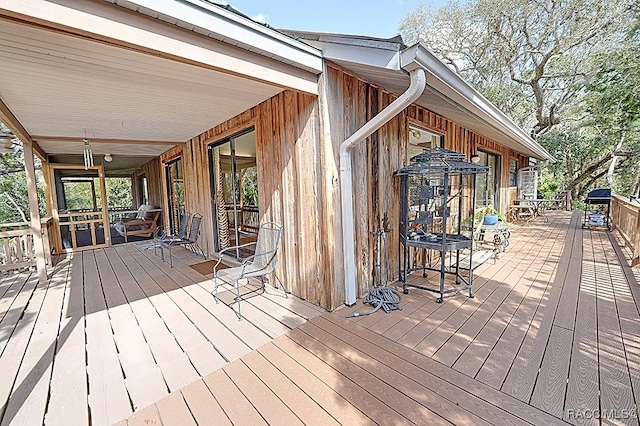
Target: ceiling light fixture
87 152
475 158
6 142
416 133
108 158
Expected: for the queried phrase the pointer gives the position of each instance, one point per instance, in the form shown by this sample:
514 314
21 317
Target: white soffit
57 85
224 25
120 149
144 30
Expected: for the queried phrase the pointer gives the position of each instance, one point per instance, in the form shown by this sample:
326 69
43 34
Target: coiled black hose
382 297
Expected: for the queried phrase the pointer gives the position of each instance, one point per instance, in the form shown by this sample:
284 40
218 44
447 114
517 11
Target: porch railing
625 218
16 245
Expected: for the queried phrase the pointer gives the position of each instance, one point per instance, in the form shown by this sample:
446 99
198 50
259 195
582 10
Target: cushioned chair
144 224
263 262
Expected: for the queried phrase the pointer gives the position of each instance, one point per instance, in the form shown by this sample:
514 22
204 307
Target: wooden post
635 257
34 211
46 240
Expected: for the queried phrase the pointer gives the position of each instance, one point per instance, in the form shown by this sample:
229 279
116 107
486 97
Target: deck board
322 394
231 338
452 382
238 408
496 367
394 372
555 329
173 410
583 386
351 391
446 342
30 390
529 288
115 330
268 404
615 382
203 405
14 307
197 347
298 402
145 383
108 396
521 379
68 402
415 328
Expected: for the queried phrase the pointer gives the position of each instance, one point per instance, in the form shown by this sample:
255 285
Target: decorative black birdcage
437 193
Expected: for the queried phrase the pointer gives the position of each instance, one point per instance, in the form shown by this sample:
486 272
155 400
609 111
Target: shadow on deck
117 329
551 337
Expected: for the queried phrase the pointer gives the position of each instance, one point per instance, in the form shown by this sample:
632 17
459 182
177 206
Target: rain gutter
417 86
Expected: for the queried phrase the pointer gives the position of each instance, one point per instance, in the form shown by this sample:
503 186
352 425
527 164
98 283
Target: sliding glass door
174 174
234 185
488 186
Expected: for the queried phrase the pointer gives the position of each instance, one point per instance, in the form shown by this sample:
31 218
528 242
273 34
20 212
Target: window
143 190
513 172
175 191
234 186
421 140
488 185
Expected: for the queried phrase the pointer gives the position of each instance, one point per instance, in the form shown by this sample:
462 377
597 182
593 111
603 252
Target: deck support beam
34 211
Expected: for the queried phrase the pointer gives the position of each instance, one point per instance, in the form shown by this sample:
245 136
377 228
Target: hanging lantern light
6 142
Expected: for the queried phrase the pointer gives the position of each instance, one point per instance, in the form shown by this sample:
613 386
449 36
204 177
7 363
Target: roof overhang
466 105
387 63
135 79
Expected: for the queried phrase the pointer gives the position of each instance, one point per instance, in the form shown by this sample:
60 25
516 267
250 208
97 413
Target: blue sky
379 18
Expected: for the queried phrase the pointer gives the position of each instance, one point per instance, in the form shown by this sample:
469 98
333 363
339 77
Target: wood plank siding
351 102
298 176
287 145
153 171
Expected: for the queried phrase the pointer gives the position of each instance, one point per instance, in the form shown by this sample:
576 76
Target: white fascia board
447 82
381 58
235 29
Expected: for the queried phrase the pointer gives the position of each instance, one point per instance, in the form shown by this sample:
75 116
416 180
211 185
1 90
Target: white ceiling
58 85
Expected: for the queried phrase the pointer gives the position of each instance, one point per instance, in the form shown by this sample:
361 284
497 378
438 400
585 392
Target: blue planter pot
490 219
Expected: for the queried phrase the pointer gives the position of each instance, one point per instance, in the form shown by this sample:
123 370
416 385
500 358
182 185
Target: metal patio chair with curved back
191 240
183 226
262 263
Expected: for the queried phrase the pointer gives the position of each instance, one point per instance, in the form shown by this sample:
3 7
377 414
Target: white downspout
417 86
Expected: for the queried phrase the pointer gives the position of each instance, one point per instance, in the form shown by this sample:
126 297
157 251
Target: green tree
14 204
119 192
546 63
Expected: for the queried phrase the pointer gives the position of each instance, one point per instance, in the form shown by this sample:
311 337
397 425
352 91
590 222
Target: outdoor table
516 209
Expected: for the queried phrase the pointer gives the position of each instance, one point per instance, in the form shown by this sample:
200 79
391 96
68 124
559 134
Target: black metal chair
191 240
183 226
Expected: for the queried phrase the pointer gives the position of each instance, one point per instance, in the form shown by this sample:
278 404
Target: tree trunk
635 188
588 172
612 166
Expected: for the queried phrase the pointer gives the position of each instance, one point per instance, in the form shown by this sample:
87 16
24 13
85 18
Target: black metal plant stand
433 188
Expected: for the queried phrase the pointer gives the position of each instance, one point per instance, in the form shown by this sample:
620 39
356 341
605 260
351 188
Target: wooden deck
115 330
553 336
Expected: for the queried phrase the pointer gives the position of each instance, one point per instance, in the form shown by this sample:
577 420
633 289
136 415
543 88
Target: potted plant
484 216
